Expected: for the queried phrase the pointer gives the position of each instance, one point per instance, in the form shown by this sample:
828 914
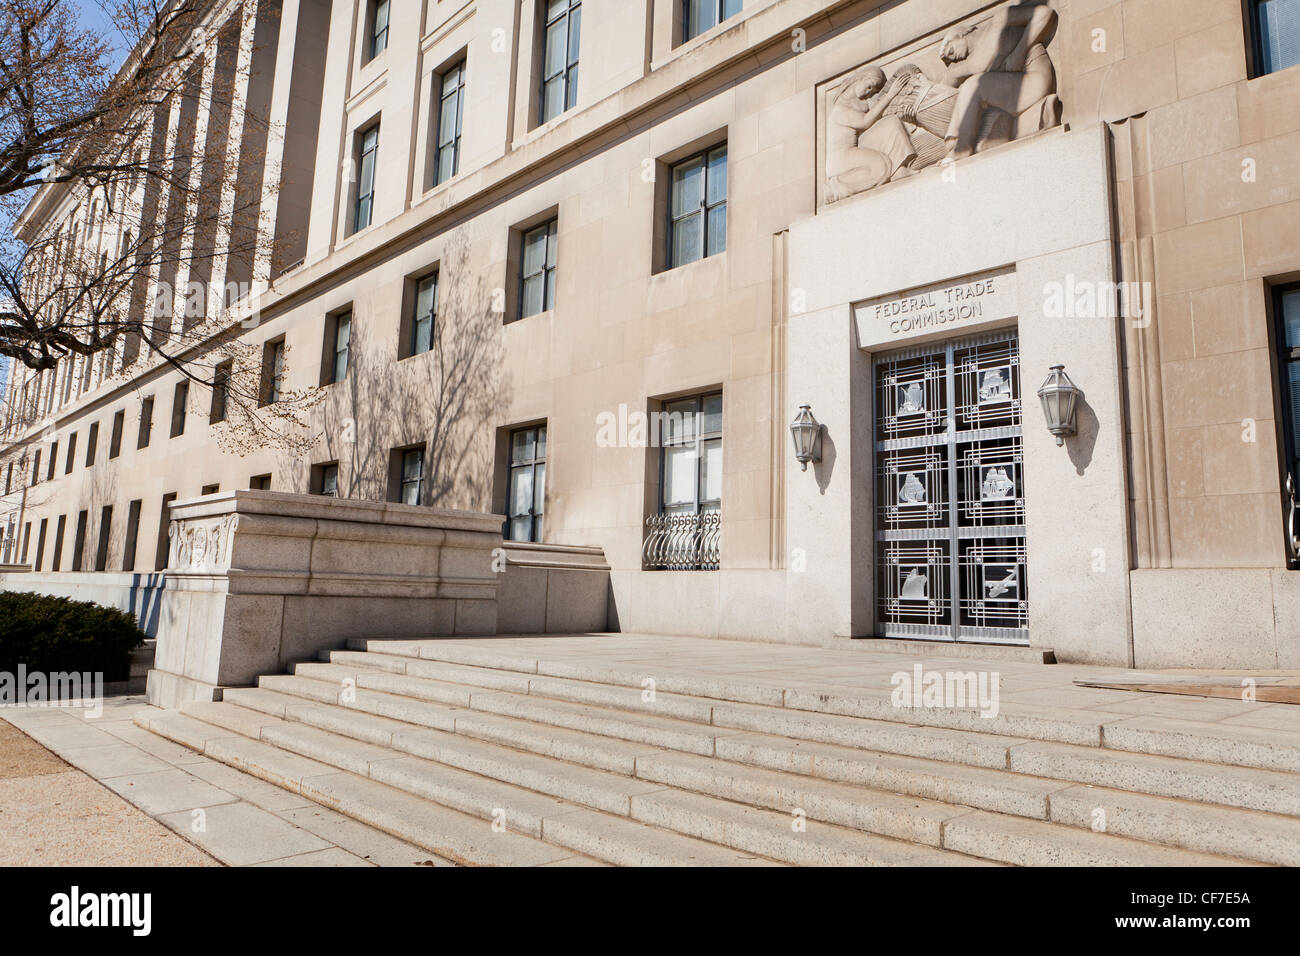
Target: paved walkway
52 814
241 820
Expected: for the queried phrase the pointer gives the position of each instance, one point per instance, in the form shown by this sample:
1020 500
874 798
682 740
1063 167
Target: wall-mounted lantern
807 434
1059 397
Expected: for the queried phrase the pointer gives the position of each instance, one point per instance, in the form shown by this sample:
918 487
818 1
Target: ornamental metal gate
950 506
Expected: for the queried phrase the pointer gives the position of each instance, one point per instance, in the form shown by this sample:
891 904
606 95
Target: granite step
1265 749
890 810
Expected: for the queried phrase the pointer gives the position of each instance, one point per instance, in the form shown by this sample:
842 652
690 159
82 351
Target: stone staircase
489 759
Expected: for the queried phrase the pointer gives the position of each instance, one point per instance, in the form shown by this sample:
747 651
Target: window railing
683 542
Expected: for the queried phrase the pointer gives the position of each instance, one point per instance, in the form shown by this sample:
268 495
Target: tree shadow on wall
445 400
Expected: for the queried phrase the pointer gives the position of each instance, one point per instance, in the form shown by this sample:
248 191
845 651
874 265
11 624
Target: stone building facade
579 264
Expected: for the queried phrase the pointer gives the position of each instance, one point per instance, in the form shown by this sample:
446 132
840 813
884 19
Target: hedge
53 634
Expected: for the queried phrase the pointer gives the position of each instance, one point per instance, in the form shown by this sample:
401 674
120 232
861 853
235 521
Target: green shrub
58 634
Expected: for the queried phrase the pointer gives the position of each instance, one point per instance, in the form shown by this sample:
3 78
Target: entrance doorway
950 506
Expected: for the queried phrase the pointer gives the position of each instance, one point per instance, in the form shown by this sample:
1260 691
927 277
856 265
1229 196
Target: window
325 481
699 16
209 489
451 106
220 391
36 466
105 532
9 477
538 273
72 454
115 440
260 483
40 543
526 495
337 346
92 441
272 371
179 398
561 29
367 149
691 473
698 210
1276 26
27 540
410 475
378 32
426 313
146 422
56 558
164 519
132 534
50 467
79 540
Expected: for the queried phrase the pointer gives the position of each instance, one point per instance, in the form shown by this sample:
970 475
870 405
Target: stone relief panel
985 82
201 545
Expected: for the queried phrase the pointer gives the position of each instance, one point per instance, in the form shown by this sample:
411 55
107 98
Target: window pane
426 296
717 176
451 80
412 465
1293 376
1279 34
330 480
712 422
711 471
554 8
423 340
730 8
551 242
541 442
522 446
553 99
679 476
534 251
575 35
449 120
549 302
717 230
1291 318
539 489
556 54
688 187
688 240
679 421
520 528
533 290
521 491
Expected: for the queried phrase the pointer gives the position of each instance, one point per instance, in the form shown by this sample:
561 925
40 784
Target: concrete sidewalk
54 812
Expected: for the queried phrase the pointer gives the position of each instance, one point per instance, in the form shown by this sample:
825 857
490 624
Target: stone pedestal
553 589
257 580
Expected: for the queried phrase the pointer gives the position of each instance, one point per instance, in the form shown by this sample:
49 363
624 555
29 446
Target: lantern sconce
807 434
1060 398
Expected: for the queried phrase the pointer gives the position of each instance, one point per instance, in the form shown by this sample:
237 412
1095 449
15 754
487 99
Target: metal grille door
950 505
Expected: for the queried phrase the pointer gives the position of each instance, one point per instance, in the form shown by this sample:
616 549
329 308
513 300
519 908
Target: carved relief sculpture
986 83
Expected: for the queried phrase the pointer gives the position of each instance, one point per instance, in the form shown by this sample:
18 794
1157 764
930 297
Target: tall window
340 346
36 467
698 207
72 454
132 535
526 502
538 273
146 423
40 543
562 28
691 455
367 151
56 559
410 487
699 16
115 440
272 371
105 535
220 391
92 440
426 313
446 160
179 399
378 39
1276 26
54 454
